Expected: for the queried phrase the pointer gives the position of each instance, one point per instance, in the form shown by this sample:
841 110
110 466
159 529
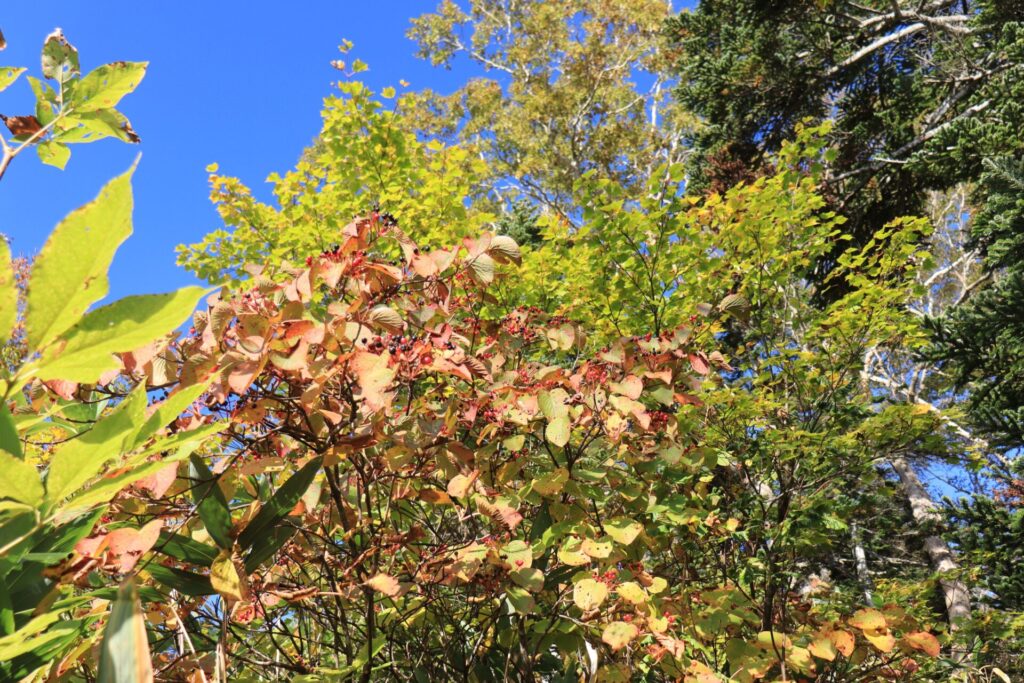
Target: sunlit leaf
124 653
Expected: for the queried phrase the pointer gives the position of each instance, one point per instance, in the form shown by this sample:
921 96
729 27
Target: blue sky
237 83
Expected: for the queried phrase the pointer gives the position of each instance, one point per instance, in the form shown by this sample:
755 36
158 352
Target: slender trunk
861 560
940 555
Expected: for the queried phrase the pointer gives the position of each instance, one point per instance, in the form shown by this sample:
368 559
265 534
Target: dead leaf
22 125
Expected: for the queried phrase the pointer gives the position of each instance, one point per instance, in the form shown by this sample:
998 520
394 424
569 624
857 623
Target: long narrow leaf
213 507
124 654
280 504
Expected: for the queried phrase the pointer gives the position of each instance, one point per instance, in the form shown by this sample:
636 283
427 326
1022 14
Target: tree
980 340
920 93
365 156
566 89
922 96
489 493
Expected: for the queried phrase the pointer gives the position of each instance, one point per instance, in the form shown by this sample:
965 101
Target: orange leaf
126 546
384 583
158 482
843 641
462 484
435 497
925 642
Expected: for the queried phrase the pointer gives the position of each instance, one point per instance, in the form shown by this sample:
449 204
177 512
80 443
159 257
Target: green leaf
9 74
557 431
6 611
8 293
185 582
19 643
53 153
212 505
81 459
96 125
104 86
268 544
280 504
169 410
46 97
70 272
104 489
20 480
125 325
521 601
124 653
60 58
9 440
186 549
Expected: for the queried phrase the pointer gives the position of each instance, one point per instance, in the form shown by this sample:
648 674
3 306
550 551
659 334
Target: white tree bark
943 561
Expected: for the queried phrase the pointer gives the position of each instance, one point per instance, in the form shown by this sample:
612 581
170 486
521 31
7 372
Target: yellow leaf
800 659
882 640
867 619
658 584
588 594
598 549
623 530
552 483
225 577
374 377
558 431
618 634
822 647
631 592
571 553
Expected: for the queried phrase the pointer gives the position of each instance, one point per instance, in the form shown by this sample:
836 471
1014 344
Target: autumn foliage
364 464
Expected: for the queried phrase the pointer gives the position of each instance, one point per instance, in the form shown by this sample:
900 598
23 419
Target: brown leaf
21 125
462 484
66 390
130 133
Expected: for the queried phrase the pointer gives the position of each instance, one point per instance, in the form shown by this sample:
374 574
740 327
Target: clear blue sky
237 83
